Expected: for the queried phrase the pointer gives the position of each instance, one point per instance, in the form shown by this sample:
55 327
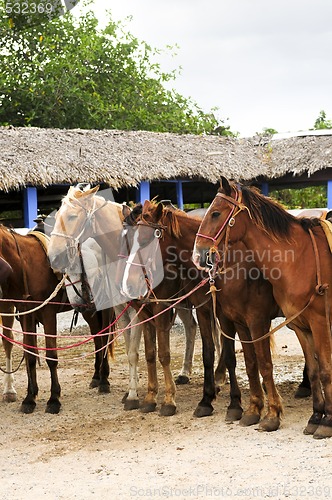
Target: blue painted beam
265 188
179 194
30 206
143 191
329 194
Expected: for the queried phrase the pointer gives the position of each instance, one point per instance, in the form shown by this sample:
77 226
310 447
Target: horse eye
72 216
215 215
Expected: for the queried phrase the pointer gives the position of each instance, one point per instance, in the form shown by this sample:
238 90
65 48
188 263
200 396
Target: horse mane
169 219
271 216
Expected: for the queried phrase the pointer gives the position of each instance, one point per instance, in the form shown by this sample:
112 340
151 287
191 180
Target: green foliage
267 131
68 73
322 122
308 197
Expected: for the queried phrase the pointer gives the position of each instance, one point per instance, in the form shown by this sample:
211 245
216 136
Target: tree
68 73
321 122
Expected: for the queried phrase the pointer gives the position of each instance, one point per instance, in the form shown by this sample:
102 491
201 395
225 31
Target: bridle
223 233
73 241
157 235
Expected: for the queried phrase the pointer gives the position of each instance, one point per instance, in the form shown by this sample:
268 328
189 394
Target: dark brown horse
32 279
294 256
247 308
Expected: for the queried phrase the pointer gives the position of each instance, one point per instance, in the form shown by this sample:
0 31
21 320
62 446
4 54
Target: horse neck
185 243
108 228
269 254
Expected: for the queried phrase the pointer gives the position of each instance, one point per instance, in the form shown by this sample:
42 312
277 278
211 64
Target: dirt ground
94 449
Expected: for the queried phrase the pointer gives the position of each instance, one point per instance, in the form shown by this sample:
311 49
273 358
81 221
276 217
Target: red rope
116 333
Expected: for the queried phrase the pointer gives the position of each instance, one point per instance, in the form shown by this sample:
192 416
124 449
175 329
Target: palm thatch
41 157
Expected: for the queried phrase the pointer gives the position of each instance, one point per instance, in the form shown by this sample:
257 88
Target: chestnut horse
83 215
247 308
32 279
294 256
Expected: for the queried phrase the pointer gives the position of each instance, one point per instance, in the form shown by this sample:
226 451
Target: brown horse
246 308
294 256
32 279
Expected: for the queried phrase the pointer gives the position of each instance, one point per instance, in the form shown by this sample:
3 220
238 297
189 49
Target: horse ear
125 210
225 186
159 211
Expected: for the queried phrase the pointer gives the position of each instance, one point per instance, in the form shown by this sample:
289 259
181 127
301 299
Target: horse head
143 269
214 230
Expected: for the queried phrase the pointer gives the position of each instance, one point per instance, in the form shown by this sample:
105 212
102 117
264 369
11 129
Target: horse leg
9 392
150 401
100 376
190 328
132 336
31 352
323 349
168 407
204 407
133 340
271 420
50 329
228 360
304 389
306 341
256 404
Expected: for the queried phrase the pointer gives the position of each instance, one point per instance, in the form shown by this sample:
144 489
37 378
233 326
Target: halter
228 223
72 240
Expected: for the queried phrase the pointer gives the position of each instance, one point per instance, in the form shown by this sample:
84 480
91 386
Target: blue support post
179 194
30 206
329 194
265 188
143 191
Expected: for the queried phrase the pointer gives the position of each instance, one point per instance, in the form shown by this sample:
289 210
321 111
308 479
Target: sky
263 63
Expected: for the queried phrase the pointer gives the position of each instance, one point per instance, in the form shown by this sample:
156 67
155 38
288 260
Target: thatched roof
40 157
301 154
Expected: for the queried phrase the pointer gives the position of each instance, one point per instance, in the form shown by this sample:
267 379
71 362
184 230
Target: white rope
53 294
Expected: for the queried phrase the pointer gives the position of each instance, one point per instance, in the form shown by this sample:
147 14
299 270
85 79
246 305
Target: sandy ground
94 449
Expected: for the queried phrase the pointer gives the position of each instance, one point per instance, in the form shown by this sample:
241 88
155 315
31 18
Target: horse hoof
131 404
302 392
167 410
104 389
324 429
313 423
94 383
148 407
269 424
203 411
9 397
182 380
249 419
322 432
233 414
310 429
53 407
28 408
